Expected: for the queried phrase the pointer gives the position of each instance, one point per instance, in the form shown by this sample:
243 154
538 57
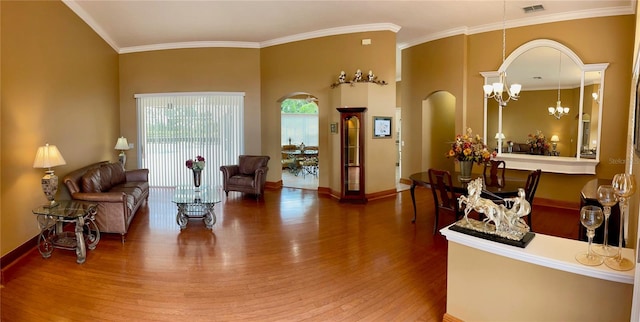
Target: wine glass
607 198
591 218
624 185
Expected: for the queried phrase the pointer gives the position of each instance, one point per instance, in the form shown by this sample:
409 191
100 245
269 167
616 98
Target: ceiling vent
534 8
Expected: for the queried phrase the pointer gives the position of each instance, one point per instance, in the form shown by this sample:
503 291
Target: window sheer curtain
175 127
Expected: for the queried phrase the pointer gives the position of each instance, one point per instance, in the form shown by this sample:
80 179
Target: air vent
534 8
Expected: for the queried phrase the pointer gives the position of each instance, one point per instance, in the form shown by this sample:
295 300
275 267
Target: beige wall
192 70
312 66
436 65
59 86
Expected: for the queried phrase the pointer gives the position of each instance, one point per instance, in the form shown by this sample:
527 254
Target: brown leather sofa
117 192
249 175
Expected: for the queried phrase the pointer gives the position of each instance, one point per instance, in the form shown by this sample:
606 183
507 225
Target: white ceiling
138 25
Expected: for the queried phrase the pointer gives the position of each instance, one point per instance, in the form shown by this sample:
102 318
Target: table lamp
49 156
122 145
554 143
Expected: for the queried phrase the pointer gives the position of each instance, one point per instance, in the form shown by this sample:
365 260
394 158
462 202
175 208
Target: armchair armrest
229 171
137 175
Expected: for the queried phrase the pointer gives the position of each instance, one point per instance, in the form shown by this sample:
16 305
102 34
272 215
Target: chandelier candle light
496 90
47 157
558 111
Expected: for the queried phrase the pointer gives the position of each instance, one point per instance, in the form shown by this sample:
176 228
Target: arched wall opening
438 130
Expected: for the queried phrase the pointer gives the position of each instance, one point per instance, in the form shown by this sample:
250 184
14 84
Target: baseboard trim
381 194
556 203
450 318
12 259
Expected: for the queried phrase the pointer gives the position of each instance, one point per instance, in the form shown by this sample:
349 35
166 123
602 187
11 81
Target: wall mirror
553 77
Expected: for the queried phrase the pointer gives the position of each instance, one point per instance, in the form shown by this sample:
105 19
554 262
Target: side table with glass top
195 203
52 222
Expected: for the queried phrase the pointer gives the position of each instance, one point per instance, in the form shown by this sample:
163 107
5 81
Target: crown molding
73 5
331 32
584 14
191 44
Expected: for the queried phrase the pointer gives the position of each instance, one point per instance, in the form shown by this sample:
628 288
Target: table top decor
469 147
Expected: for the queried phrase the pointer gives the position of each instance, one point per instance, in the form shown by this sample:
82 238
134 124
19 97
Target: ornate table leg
181 217
209 216
92 234
81 249
47 231
413 199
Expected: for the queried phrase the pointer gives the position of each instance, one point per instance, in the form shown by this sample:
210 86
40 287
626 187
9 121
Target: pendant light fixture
558 111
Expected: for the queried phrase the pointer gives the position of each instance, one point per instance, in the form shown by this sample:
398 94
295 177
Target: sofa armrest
100 196
137 175
229 171
261 174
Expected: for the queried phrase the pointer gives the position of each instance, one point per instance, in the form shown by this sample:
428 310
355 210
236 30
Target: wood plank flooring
294 256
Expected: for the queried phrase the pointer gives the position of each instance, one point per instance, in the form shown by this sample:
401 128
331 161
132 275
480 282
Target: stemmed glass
624 185
591 218
608 199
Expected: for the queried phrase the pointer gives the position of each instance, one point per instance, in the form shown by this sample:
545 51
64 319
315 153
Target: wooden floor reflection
292 256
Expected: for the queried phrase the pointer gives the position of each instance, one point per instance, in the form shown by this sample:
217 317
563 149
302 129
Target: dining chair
530 190
444 197
496 169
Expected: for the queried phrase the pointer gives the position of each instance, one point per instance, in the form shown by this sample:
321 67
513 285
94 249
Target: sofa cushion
91 181
117 173
242 180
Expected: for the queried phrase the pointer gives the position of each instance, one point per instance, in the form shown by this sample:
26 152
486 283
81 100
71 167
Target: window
175 127
299 122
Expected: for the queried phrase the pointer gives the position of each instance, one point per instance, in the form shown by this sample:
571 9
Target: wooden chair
444 197
496 173
530 190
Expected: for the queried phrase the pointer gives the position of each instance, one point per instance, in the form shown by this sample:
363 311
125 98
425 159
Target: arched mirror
559 108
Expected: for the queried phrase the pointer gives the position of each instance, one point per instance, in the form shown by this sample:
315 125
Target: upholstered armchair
249 175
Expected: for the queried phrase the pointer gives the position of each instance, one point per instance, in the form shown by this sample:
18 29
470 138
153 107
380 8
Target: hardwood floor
292 256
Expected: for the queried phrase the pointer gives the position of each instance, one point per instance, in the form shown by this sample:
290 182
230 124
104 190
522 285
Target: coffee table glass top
66 208
189 195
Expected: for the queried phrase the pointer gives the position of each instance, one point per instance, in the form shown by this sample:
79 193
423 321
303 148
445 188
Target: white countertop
548 251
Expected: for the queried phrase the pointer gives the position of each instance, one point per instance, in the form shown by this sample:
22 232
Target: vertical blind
299 128
175 127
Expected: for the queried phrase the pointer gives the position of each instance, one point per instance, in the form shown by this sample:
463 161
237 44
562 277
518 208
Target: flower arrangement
468 147
197 164
538 141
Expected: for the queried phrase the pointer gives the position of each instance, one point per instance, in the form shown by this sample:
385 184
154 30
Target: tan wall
427 68
192 70
312 66
486 287
436 65
59 86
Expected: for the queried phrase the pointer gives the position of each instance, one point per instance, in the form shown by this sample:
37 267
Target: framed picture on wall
381 127
333 127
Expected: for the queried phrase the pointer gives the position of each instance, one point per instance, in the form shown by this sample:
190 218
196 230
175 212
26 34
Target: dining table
505 189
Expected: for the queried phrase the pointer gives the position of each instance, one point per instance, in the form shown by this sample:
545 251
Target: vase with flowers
196 165
538 143
469 149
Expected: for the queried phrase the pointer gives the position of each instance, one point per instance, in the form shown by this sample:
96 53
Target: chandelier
498 89
558 111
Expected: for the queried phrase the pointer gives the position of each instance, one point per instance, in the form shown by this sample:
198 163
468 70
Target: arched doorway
438 130
299 140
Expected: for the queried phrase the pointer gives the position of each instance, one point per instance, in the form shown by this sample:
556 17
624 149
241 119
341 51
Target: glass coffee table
194 203
52 220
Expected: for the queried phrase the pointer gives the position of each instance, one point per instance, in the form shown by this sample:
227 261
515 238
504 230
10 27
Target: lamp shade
122 144
499 136
555 138
48 156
